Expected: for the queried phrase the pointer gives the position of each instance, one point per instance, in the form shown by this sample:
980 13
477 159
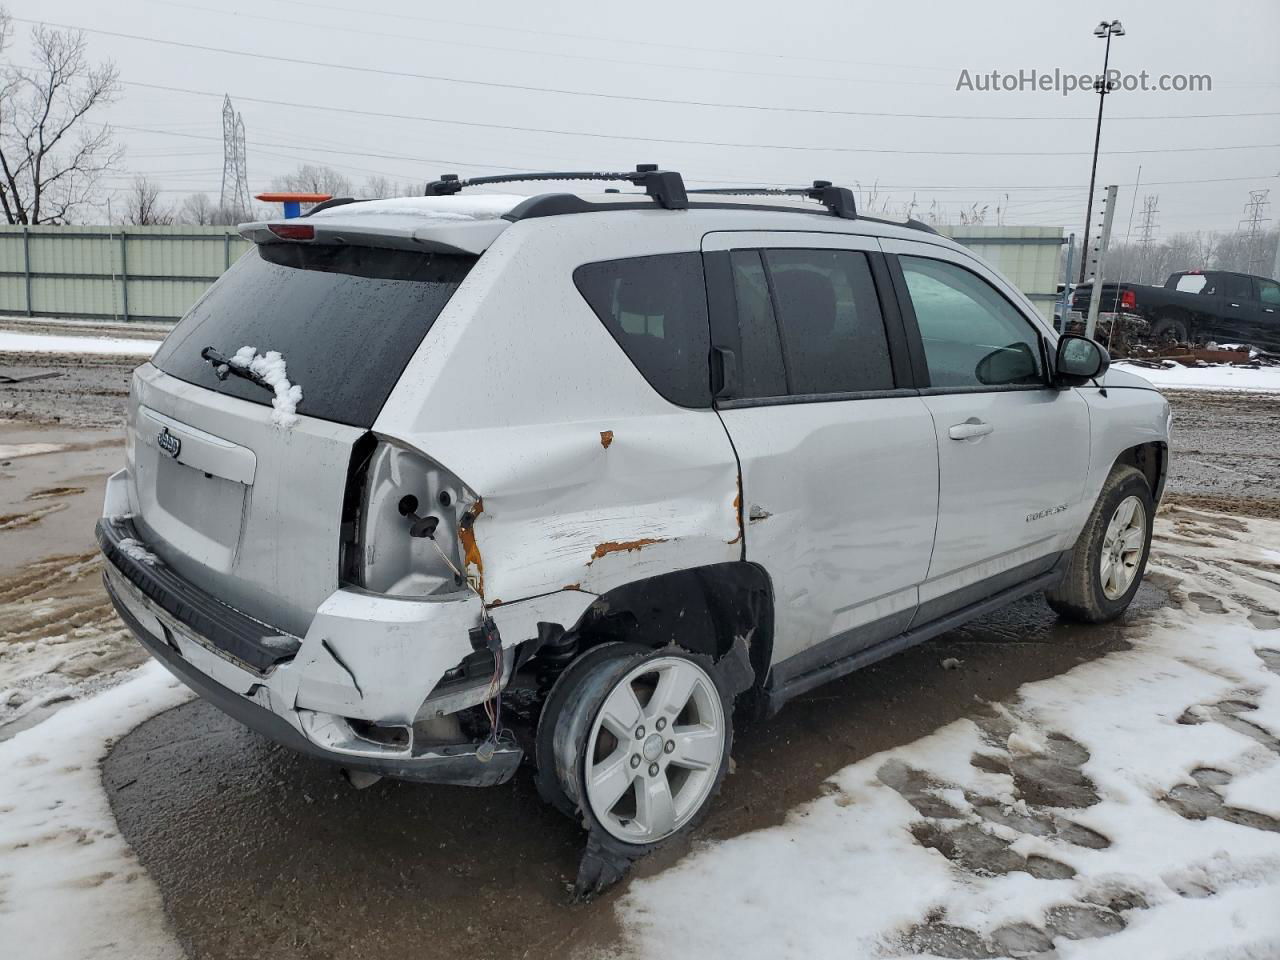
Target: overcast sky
806 55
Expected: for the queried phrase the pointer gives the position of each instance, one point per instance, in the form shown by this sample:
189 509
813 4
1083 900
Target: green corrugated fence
157 273
125 273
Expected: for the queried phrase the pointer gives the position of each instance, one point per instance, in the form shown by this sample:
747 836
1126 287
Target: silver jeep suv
424 486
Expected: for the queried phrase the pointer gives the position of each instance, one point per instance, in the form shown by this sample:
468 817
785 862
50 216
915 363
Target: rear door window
346 320
656 309
760 359
833 337
1237 288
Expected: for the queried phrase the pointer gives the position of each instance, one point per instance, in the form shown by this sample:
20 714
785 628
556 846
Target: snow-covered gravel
14 342
1177 377
1129 808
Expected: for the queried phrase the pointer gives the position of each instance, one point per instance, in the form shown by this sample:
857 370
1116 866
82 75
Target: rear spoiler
393 231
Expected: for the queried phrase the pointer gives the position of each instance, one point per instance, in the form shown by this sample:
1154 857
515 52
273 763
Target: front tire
1110 557
637 743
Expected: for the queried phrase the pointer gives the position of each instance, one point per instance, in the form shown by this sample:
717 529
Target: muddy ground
257 850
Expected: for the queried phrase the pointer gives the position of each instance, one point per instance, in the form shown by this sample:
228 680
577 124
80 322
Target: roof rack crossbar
839 200
665 186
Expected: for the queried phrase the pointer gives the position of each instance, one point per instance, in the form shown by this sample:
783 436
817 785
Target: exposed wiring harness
493 641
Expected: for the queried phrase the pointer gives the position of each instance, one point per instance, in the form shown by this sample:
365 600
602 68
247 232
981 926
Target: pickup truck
1197 306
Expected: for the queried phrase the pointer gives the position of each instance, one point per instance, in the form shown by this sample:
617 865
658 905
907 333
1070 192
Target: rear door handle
971 429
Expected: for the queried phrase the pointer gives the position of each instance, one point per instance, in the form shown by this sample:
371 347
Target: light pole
1106 30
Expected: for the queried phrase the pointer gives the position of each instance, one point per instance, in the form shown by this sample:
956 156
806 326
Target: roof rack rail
839 200
665 186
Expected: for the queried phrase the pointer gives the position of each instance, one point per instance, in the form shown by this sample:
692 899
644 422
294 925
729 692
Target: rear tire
1170 329
1110 557
634 743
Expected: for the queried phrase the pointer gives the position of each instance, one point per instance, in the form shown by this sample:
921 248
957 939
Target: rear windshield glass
345 319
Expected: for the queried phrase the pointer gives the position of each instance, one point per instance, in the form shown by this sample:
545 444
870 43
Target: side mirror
1079 360
1007 365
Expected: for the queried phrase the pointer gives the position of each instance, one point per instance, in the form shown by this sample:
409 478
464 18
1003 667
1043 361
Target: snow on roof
480 206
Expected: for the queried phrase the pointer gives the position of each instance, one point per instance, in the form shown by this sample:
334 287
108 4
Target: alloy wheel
655 749
1122 547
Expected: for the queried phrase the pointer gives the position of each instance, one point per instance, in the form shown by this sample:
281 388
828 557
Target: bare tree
200 210
312 178
379 187
197 209
51 156
143 207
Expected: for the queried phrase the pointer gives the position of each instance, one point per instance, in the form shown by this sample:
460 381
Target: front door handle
971 429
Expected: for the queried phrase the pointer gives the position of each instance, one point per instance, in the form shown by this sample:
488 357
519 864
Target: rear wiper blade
223 367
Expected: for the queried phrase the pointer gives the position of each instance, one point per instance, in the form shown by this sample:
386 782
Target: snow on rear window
1191 283
271 367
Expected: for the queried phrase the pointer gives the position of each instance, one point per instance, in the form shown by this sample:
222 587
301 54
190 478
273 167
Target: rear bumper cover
296 691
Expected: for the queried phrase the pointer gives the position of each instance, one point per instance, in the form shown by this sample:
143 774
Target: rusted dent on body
467 537
572 586
606 438
622 546
737 511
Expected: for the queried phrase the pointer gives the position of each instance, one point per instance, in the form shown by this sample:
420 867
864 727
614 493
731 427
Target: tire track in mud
59 636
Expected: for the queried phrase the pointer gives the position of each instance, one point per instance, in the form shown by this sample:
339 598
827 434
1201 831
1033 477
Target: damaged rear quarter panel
651 503
588 477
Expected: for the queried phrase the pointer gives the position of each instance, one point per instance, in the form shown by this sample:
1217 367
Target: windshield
345 319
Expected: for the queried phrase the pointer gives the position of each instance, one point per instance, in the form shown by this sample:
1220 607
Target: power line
414 158
557 91
235 176
542 54
329 108
1146 232
1251 227
347 29
754 54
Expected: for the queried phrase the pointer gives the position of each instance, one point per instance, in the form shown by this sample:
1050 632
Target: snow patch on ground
1124 809
271 368
1178 377
11 451
69 884
51 343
